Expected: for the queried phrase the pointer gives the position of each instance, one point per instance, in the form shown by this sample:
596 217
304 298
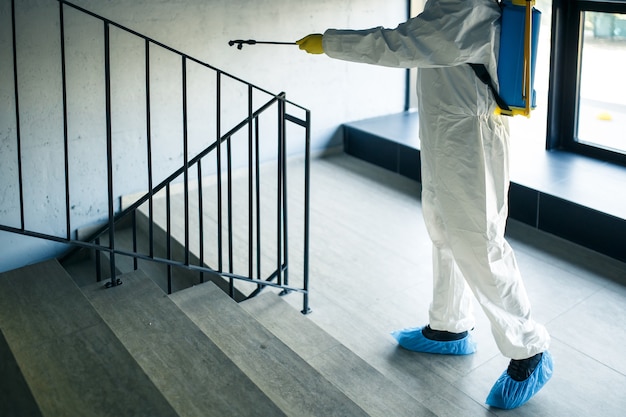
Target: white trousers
465 181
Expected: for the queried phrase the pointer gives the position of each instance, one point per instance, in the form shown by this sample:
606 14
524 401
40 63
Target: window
587 99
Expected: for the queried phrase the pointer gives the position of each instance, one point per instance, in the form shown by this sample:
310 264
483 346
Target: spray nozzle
240 43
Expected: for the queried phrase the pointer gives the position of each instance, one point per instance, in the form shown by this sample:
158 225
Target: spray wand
240 43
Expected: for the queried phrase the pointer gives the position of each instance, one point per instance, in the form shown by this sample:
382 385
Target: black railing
225 161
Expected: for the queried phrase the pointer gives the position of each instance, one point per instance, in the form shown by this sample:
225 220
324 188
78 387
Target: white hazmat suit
465 167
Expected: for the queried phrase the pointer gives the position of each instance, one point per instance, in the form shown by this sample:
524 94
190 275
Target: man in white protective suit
465 181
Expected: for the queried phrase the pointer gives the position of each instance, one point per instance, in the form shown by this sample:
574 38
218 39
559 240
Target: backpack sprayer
517 57
514 71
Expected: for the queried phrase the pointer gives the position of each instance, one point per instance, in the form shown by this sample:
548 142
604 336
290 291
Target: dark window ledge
574 197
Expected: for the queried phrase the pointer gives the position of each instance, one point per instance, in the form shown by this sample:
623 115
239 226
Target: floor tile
580 387
596 328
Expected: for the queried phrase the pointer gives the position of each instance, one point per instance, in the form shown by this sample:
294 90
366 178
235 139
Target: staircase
172 324
132 350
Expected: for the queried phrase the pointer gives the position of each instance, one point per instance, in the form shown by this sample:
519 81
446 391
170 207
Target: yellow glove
312 43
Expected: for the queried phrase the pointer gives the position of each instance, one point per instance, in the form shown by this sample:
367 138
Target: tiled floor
371 274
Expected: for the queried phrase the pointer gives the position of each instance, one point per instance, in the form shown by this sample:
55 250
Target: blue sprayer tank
511 60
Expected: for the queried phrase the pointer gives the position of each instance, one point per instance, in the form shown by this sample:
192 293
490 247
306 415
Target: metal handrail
278 278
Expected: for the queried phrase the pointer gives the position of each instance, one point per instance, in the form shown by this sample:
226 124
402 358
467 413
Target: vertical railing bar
250 187
18 131
185 160
307 194
109 138
258 201
200 219
283 157
219 172
279 187
134 220
65 134
98 262
168 228
149 151
229 208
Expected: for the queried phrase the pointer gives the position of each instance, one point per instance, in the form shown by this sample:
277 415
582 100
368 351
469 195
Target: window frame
565 72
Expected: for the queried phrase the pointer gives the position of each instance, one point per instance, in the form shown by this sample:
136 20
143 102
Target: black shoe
520 370
442 336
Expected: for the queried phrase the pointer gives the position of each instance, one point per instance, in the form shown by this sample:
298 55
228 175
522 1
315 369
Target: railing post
134 226
258 199
149 151
250 186
18 132
218 156
283 157
98 261
281 221
229 210
307 196
279 194
200 220
185 160
168 232
65 135
109 137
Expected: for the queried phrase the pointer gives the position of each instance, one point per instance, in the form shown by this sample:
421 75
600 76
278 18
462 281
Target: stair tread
195 376
16 399
284 376
84 272
365 385
72 362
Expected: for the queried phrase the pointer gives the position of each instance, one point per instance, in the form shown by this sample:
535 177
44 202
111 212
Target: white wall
334 91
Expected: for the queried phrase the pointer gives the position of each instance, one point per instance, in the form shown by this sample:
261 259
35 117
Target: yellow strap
526 93
522 2
513 111
527 82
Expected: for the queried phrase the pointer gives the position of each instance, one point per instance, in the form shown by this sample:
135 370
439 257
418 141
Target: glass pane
602 101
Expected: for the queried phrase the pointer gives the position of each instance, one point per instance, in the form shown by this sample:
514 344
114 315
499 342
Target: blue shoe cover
508 393
413 339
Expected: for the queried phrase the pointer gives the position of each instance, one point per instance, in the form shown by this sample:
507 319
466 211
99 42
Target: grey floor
370 272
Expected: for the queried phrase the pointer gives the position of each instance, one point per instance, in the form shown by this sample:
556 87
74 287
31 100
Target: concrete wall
334 91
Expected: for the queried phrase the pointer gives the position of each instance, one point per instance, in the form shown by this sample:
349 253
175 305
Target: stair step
237 261
72 362
366 386
297 388
83 270
185 279
16 399
195 376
